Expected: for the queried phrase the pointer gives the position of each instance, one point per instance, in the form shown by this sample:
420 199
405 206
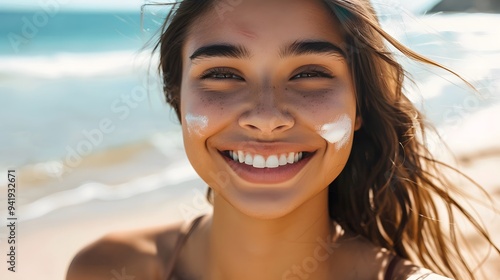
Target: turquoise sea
62 77
82 116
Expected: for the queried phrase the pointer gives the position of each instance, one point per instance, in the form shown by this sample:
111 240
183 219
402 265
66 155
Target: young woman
293 113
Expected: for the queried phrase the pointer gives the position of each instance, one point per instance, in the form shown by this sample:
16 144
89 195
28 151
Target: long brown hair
391 187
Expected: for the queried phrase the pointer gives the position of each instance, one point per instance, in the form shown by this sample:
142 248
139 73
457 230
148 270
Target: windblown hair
391 188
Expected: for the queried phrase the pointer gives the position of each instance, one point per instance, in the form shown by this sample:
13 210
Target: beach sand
47 244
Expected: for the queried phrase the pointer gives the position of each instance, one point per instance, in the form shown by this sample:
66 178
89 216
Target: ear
357 123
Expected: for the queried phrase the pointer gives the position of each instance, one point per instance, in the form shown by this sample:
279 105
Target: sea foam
62 65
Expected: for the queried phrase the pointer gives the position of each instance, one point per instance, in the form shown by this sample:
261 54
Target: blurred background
95 149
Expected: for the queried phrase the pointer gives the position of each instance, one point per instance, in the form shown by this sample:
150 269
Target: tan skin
268 100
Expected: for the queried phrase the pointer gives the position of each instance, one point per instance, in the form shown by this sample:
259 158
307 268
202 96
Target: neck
294 245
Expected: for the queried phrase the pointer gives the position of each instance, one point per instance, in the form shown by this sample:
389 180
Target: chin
264 204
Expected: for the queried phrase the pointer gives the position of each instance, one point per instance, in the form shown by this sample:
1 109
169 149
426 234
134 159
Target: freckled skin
308 103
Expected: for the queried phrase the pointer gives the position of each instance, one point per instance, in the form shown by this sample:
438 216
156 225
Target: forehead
263 24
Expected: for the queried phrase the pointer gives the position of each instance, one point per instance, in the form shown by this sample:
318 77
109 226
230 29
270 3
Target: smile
260 161
269 169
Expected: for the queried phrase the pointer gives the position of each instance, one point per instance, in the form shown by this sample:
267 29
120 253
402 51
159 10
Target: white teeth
259 161
248 159
282 160
272 162
241 156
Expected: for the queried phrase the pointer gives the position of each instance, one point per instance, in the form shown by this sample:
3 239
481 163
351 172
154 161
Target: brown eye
220 74
312 74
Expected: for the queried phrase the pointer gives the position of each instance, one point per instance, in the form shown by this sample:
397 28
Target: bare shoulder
125 255
374 260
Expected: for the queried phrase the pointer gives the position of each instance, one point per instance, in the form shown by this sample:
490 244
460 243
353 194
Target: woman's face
267 102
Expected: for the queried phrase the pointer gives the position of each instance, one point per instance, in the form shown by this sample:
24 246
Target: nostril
281 127
265 122
251 126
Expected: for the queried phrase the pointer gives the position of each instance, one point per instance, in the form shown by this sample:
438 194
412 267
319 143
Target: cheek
196 124
336 127
331 115
337 132
206 111
199 114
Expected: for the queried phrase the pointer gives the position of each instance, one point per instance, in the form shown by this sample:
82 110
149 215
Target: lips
266 169
261 161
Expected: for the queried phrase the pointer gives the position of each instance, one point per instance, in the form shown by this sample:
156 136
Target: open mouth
270 169
269 161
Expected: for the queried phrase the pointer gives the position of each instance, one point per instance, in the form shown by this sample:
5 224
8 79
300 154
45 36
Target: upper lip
267 148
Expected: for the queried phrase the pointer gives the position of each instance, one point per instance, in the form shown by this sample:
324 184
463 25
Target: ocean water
67 77
82 115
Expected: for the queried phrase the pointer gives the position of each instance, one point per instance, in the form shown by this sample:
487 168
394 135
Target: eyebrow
220 50
311 47
294 49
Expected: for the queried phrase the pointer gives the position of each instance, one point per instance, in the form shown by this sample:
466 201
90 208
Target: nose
267 116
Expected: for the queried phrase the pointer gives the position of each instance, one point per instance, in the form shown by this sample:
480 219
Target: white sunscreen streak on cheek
196 124
338 132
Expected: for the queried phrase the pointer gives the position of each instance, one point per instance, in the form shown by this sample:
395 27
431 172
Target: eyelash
221 73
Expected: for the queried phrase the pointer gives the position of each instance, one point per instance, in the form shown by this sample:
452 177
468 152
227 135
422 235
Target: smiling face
267 103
